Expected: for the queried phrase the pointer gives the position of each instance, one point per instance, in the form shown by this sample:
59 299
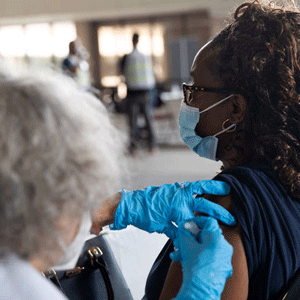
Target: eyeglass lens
187 96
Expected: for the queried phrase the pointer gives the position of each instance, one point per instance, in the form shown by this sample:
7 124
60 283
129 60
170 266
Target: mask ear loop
212 106
230 128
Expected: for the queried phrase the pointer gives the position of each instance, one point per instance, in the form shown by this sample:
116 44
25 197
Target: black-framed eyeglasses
189 89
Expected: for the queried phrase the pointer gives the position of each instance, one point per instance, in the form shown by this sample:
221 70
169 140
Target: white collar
20 281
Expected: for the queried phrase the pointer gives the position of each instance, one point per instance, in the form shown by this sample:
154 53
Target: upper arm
236 287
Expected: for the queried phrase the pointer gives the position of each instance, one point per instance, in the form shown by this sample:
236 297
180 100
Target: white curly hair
59 152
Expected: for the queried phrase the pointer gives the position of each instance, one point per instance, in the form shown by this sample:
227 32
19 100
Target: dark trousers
140 103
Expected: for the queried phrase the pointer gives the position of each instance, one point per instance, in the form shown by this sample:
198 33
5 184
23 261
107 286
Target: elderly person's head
58 159
254 64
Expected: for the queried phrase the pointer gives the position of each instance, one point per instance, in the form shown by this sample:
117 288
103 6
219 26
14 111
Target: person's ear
238 109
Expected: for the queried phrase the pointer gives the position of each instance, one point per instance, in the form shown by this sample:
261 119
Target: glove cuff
121 220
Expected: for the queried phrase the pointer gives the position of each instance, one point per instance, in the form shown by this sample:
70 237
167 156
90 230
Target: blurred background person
71 62
76 63
139 77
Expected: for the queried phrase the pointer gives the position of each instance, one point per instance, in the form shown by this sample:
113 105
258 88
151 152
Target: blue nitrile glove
154 208
206 263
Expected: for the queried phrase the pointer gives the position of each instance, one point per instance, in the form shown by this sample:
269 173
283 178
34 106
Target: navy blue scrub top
270 220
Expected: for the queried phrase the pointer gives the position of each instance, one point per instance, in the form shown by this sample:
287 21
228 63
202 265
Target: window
40 44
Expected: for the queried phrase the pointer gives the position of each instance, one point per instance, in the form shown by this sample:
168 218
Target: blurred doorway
115 42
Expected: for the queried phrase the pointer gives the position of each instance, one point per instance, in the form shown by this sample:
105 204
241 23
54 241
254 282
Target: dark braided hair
258 56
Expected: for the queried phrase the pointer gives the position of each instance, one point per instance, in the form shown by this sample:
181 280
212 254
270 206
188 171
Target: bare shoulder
237 285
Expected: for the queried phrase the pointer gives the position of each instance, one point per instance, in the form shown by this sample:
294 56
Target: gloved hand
206 264
154 208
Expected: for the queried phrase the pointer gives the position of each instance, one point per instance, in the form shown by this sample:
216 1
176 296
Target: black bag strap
95 261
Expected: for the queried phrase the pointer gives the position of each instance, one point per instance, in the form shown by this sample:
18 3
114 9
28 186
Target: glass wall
42 45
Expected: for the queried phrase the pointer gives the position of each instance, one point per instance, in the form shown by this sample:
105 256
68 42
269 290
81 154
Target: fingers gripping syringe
194 229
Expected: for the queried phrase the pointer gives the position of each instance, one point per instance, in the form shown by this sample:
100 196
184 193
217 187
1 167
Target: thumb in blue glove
206 264
154 209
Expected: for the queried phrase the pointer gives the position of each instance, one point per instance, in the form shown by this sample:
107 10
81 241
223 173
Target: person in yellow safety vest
139 77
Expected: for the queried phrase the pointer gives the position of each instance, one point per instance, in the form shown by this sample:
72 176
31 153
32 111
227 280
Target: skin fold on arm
236 287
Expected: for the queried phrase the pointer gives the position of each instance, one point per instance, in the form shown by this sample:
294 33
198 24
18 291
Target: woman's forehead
201 68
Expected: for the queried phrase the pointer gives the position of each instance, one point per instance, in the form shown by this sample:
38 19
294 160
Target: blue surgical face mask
188 119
